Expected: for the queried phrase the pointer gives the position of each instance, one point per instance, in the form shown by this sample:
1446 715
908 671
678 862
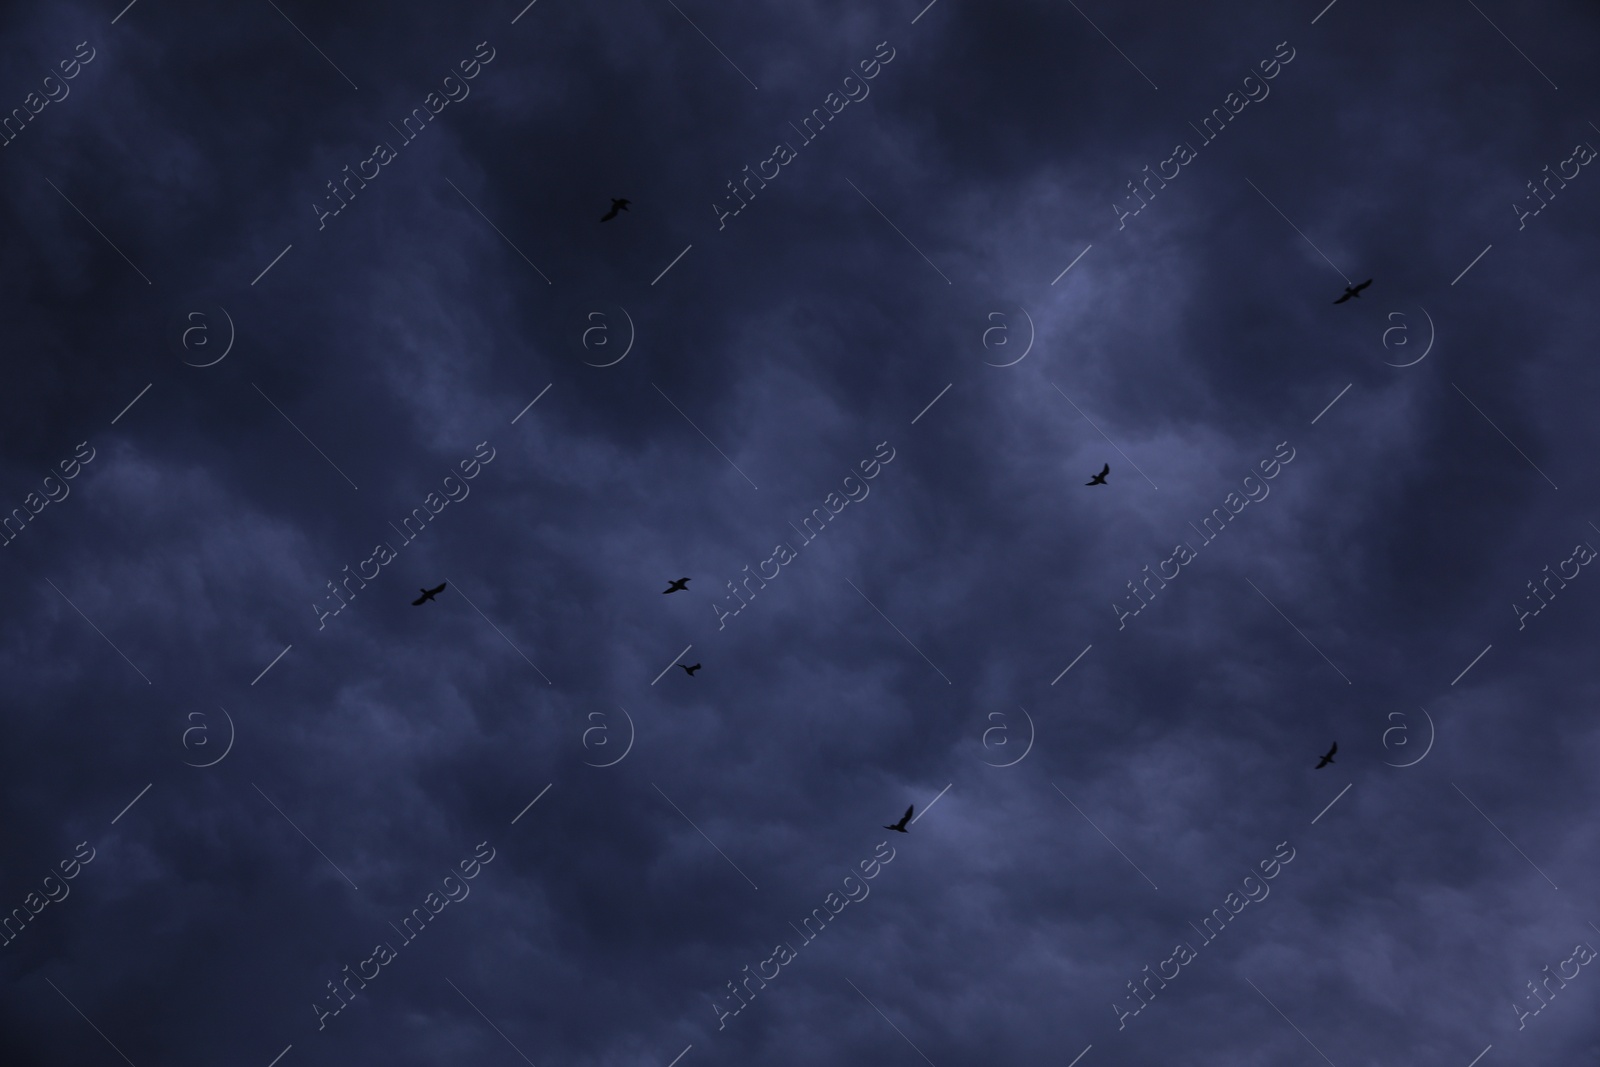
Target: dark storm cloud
878 293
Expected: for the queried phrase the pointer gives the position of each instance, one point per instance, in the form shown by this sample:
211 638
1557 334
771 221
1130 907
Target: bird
1353 290
679 586
901 825
427 595
1100 479
690 670
616 206
1329 757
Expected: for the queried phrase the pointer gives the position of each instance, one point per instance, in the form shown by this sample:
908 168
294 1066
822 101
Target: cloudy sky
280 277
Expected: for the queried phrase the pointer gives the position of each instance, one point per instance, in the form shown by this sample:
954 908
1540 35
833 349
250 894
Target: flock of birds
681 585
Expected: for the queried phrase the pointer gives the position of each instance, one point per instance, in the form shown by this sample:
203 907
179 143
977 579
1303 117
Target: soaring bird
616 206
427 595
1100 479
901 825
679 586
1329 757
1353 290
690 670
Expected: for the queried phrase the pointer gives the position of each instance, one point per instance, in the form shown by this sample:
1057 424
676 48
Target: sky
310 308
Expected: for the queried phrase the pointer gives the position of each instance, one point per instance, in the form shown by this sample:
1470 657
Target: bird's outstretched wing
1105 470
1334 749
907 816
438 590
421 600
1363 285
608 216
1342 299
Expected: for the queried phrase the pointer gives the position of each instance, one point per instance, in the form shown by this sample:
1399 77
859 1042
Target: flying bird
1329 757
679 586
427 595
1100 479
690 670
901 825
616 206
1353 290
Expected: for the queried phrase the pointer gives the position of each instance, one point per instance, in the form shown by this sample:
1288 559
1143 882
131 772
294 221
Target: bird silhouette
616 206
1329 757
679 586
427 595
901 825
1353 290
1100 479
690 670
